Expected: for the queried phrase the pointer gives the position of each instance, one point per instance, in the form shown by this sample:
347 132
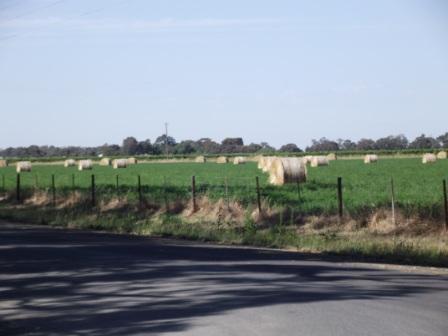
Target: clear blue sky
84 72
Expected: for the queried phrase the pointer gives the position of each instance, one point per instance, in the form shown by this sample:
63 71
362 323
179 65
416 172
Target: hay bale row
88 164
119 163
239 160
3 163
85 165
441 155
429 158
23 166
370 158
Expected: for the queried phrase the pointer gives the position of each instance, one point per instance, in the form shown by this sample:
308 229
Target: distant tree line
164 144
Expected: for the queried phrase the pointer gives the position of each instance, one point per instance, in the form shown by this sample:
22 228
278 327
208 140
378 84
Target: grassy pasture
418 187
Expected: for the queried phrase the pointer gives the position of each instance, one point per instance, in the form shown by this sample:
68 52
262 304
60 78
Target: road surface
67 282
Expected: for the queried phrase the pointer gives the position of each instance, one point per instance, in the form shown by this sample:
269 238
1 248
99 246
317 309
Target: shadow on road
70 282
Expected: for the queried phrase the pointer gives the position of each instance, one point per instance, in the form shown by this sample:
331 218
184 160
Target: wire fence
314 197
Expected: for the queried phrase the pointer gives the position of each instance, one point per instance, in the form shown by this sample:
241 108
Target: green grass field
418 187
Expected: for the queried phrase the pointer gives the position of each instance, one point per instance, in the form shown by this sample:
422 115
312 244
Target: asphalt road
66 282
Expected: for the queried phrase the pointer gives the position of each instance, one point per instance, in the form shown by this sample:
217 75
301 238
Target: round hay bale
105 162
307 159
370 158
131 161
287 170
222 159
318 161
429 158
200 159
440 155
261 162
69 163
239 160
85 165
331 157
268 163
23 166
119 163
3 163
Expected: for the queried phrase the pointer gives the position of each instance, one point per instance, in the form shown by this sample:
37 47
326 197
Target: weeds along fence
314 197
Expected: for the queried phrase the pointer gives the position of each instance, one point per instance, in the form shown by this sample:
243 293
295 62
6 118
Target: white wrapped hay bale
370 158
131 161
69 163
331 157
239 160
23 166
441 155
85 165
222 159
119 163
318 161
287 170
3 163
429 158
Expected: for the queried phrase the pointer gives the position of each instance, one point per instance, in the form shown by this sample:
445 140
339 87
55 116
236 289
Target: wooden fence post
139 188
226 186
340 201
93 190
18 187
116 182
73 181
445 199
392 192
258 194
193 192
165 195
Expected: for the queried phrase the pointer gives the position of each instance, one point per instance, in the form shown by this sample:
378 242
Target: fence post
392 192
139 188
258 194
340 202
116 181
18 188
227 192
193 192
445 199
53 189
73 181
93 189
165 195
